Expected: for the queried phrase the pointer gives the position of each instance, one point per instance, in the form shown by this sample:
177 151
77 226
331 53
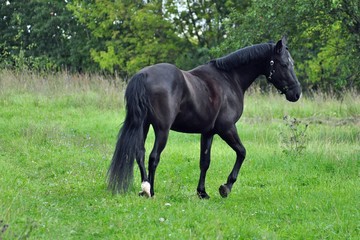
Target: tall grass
57 135
315 106
74 89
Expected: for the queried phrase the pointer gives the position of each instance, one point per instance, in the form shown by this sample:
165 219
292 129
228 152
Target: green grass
57 135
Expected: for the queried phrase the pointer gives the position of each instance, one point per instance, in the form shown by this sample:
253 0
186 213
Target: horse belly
191 123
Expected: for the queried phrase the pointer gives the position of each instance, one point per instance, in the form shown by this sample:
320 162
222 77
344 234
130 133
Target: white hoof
145 187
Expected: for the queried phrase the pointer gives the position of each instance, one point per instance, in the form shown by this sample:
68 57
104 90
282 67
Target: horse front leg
231 137
205 148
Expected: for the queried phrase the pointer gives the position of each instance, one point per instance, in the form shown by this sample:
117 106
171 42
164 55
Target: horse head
282 74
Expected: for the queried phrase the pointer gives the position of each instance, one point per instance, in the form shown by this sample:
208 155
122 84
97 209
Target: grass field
57 136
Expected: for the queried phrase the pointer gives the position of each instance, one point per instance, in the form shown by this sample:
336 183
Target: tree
135 34
42 35
201 24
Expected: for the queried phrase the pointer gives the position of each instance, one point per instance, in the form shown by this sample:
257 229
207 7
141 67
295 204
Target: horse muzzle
293 94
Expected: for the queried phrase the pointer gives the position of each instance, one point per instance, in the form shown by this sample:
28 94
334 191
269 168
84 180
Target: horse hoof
143 194
203 195
146 188
224 191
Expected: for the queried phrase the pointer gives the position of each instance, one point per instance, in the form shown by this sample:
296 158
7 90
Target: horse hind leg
140 159
161 137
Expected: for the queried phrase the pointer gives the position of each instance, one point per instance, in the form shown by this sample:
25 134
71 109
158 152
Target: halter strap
272 70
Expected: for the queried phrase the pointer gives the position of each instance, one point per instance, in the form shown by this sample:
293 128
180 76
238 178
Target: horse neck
246 74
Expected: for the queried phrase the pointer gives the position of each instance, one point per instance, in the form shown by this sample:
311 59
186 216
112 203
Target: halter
272 70
284 89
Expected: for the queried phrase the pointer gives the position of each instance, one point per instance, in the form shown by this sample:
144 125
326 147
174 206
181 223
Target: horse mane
243 56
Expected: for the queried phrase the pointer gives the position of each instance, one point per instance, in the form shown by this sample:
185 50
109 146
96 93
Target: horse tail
130 143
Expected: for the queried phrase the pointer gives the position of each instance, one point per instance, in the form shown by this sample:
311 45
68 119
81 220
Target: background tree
201 25
43 35
135 34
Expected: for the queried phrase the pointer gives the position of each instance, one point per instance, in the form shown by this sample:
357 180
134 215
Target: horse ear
280 45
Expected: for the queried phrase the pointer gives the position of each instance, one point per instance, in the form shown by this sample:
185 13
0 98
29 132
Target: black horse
206 100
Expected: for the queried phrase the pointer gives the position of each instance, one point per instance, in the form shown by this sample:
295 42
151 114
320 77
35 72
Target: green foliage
135 34
188 60
201 21
42 35
154 39
121 36
330 67
201 25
